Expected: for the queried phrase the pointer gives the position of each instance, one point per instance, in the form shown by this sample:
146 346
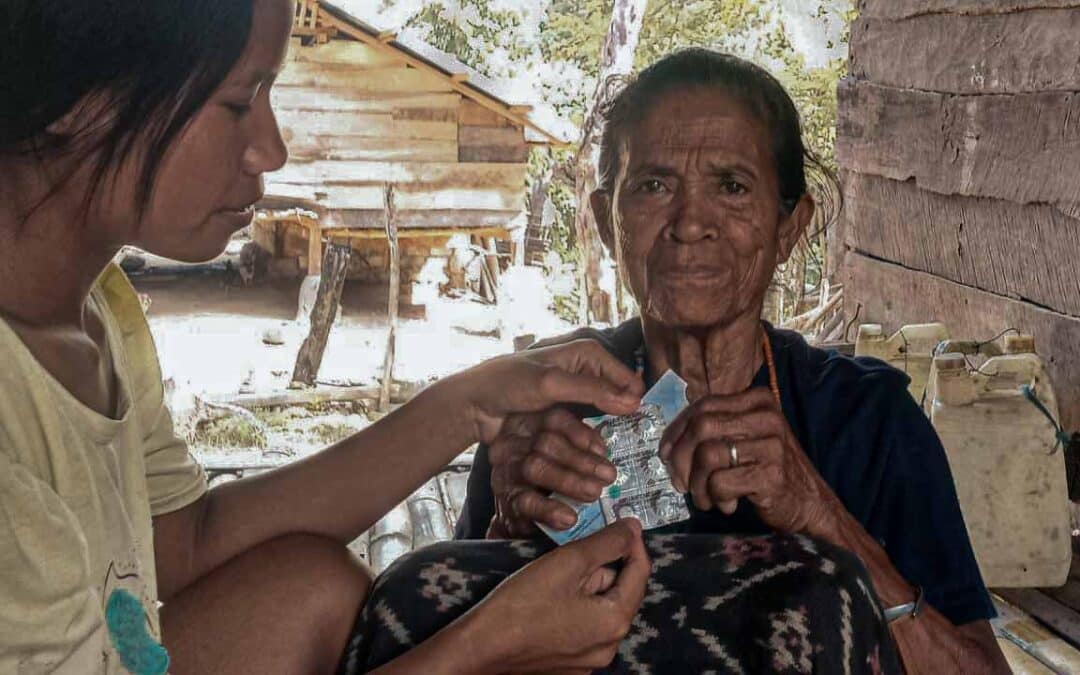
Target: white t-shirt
77 493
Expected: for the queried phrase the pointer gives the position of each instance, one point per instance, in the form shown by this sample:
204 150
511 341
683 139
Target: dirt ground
209 337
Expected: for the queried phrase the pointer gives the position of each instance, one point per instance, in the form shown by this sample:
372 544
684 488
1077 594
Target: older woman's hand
773 472
538 454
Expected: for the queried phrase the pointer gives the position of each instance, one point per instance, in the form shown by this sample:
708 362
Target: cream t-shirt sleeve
173 478
51 619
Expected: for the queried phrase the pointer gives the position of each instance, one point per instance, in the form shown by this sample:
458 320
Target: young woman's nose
266 151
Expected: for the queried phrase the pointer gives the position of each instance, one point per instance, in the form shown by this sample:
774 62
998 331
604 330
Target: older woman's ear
601 208
792 227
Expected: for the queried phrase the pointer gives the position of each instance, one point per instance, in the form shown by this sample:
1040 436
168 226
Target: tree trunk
535 243
617 58
392 309
335 264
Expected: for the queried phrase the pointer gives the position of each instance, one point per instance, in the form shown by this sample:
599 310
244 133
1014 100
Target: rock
273 336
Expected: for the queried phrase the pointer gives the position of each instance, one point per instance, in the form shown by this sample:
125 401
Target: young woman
148 123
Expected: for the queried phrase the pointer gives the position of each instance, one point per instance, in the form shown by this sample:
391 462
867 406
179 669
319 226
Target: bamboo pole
395 292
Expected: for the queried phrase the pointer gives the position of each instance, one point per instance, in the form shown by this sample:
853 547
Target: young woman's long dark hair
150 64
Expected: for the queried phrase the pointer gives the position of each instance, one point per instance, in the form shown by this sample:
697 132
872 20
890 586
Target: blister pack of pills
642 488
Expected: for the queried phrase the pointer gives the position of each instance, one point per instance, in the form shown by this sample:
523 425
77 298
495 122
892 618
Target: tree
616 58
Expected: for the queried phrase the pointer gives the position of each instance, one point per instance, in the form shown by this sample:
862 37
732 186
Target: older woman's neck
720 360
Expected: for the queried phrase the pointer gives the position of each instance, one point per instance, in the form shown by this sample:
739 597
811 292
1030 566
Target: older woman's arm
929 642
775 475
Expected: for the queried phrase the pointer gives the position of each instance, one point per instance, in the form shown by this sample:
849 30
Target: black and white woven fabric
714 604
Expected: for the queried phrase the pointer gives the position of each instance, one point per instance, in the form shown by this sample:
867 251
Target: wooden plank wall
355 119
959 144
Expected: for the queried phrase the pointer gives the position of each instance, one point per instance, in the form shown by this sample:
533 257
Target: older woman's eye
652 186
733 187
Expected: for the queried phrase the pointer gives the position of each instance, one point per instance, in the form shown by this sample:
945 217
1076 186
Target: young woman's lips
240 218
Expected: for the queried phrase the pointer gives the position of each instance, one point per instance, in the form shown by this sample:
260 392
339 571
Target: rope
1062 438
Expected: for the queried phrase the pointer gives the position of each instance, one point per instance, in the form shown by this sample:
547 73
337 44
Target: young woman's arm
342 491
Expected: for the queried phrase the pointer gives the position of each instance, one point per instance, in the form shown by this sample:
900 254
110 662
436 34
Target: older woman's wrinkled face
695 217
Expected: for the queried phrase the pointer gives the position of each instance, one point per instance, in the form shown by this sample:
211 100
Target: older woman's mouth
693 273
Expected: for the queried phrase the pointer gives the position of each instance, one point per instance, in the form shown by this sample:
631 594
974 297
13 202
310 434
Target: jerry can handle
1062 437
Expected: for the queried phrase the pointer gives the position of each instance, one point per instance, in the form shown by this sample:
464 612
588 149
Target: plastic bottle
911 349
1009 472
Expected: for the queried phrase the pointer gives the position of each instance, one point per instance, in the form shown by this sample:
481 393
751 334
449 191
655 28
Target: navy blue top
870 442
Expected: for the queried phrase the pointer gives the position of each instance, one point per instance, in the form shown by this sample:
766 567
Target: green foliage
472 31
572 34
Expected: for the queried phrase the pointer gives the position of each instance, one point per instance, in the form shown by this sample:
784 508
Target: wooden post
314 249
334 267
395 291
492 260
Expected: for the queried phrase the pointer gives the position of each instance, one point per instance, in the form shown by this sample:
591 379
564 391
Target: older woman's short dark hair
153 62
748 83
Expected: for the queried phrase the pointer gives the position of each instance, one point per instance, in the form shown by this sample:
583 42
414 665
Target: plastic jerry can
910 349
1008 470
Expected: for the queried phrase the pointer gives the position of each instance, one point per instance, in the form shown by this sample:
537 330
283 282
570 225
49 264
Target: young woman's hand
577 372
566 610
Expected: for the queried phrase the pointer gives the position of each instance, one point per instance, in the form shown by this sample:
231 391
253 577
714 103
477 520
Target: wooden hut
959 144
362 110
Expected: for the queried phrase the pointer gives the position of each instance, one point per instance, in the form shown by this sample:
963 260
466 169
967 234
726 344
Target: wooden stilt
395 292
314 249
332 280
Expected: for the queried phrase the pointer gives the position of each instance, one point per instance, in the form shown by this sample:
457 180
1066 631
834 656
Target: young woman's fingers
589 465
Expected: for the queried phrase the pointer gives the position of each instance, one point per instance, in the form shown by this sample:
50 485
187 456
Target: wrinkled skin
695 223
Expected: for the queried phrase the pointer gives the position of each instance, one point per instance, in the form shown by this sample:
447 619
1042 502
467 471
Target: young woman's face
212 173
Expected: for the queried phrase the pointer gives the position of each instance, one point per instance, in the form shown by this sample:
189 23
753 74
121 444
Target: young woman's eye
238 109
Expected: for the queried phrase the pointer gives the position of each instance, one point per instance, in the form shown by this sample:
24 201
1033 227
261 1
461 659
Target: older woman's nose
692 223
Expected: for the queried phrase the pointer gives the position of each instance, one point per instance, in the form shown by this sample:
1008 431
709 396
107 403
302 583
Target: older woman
702 193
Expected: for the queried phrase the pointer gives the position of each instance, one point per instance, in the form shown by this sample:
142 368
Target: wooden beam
374 82
498 232
892 295
461 77
309 147
461 87
995 53
1023 148
1021 251
899 9
387 36
1058 617
339 99
411 197
447 174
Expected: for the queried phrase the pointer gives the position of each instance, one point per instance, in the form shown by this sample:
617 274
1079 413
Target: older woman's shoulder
820 370
621 341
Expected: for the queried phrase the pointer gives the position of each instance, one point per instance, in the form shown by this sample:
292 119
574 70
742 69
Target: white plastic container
1009 473
910 349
